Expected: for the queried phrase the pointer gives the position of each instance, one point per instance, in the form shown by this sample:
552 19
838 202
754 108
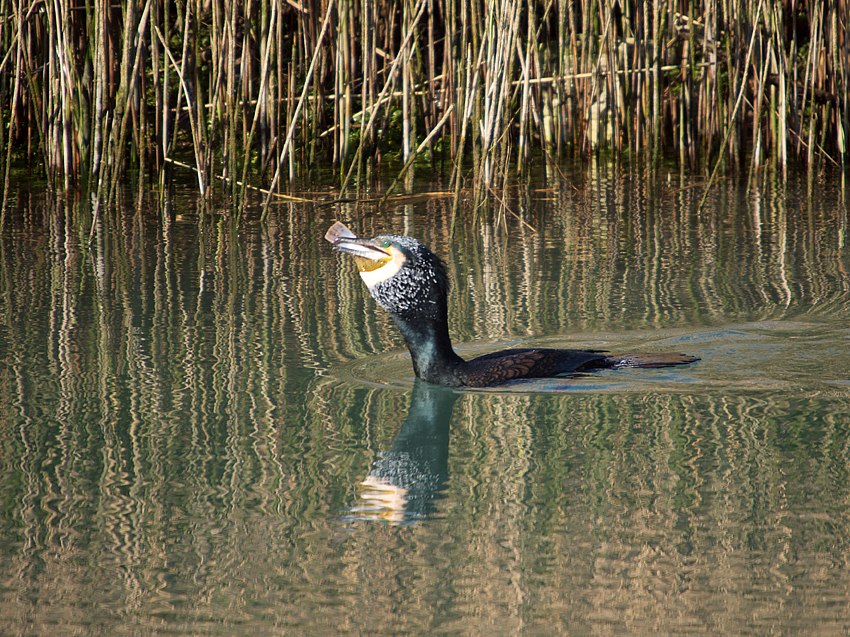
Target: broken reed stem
391 76
240 184
418 151
268 91
733 115
199 165
291 131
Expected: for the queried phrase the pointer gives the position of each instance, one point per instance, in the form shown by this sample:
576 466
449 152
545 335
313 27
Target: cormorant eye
386 243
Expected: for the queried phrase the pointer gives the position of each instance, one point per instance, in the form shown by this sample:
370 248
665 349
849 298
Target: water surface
207 427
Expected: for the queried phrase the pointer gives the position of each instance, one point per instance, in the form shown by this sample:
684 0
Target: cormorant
410 282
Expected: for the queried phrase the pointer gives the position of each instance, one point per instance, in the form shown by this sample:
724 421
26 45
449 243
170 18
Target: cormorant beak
362 248
365 251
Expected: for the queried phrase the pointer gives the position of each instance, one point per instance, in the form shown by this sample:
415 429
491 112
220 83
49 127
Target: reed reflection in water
188 410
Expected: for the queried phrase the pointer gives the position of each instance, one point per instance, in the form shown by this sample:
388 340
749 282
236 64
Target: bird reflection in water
406 480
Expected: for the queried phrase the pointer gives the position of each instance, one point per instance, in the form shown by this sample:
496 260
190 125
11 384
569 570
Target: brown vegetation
270 92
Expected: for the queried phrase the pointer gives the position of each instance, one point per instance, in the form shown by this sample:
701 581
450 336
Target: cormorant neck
434 359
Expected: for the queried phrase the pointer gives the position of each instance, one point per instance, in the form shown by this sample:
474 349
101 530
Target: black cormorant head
404 277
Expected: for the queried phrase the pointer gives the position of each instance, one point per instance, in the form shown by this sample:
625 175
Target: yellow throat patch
374 272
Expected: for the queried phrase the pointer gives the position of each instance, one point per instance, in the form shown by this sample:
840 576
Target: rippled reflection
406 478
206 426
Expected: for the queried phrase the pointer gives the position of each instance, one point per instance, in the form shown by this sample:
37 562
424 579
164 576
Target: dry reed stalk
13 118
470 79
437 128
265 73
194 124
734 115
291 131
255 89
389 82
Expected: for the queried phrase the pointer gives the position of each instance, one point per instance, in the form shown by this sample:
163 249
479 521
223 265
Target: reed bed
271 93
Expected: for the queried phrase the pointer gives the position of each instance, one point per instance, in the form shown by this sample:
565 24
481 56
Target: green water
208 428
